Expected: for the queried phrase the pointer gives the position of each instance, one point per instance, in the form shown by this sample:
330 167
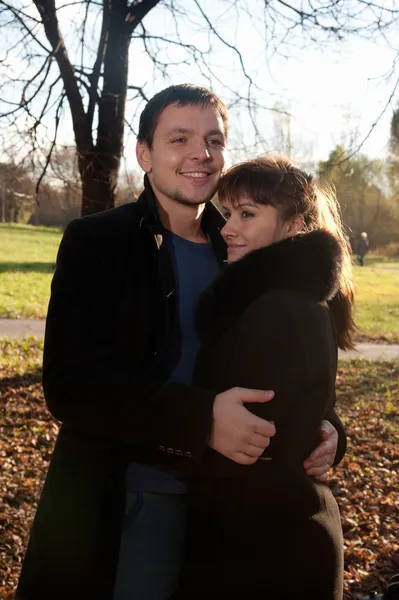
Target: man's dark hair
183 95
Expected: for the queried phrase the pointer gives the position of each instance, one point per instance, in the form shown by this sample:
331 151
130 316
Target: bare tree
16 192
59 198
41 78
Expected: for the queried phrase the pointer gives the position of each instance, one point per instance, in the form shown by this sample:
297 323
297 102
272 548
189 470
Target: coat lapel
150 224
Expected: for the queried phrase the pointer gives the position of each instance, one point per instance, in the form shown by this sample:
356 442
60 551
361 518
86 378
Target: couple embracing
191 355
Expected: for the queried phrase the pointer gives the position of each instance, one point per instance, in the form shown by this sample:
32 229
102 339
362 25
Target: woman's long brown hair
275 180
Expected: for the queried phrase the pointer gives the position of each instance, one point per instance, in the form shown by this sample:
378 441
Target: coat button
170 450
162 448
178 452
188 454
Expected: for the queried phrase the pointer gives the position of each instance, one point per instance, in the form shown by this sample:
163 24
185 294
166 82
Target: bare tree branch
373 126
47 63
138 10
139 90
47 11
24 26
47 101
94 71
52 146
95 75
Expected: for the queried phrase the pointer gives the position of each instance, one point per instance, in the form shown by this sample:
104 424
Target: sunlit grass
27 257
377 299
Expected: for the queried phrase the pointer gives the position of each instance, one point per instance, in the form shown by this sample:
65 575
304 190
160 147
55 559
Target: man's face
187 156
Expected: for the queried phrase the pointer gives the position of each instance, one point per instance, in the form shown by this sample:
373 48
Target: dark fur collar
309 263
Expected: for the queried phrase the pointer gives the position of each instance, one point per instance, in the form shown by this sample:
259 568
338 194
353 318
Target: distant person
274 318
363 247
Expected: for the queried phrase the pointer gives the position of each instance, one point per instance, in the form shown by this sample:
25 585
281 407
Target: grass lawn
27 257
377 299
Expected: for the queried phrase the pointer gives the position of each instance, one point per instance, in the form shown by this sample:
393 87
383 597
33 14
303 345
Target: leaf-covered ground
366 483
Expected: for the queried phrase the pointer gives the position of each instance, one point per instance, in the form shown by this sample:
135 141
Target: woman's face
250 226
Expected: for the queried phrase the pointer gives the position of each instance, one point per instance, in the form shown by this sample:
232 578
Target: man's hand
237 433
319 462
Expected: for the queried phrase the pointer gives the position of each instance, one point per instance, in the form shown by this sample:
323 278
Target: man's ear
143 156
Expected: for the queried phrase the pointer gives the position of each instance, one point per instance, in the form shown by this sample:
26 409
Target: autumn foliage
365 484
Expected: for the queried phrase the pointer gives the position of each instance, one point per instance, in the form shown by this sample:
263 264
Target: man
119 355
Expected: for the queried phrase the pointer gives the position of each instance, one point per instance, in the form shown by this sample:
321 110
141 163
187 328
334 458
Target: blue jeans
152 546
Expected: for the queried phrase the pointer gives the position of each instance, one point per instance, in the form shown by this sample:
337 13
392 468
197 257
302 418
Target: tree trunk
100 171
99 180
98 162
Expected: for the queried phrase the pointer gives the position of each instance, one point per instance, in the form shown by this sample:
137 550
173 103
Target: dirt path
24 327
372 352
15 328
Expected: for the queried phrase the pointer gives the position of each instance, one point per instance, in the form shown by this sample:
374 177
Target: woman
273 320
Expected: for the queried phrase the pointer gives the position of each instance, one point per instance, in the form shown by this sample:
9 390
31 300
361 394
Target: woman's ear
295 225
143 155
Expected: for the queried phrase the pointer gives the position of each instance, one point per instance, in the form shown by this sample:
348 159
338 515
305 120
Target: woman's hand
321 459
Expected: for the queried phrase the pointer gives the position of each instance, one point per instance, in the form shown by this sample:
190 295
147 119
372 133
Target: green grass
27 257
377 299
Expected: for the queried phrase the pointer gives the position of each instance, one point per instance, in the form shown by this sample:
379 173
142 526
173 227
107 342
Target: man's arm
89 386
331 449
336 423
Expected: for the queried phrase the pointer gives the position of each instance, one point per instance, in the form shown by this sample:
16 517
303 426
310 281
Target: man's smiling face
187 155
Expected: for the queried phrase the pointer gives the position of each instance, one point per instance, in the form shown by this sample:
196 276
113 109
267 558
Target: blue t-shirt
195 267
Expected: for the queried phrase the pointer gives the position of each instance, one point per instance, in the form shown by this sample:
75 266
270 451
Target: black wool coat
268 530
111 341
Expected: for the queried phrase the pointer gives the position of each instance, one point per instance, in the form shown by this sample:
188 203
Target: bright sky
335 100
334 91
